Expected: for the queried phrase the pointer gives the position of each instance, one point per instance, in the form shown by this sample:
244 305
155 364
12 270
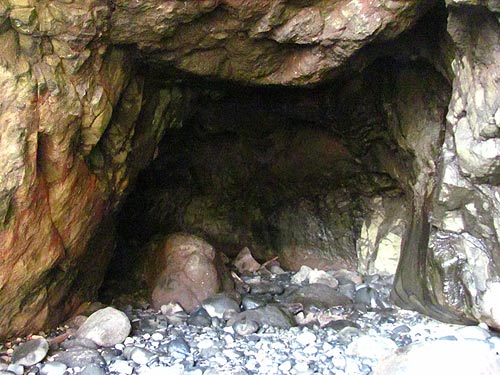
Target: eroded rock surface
88 89
460 265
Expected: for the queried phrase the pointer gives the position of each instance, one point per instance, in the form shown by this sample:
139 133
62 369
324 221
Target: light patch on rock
371 347
388 253
490 305
453 222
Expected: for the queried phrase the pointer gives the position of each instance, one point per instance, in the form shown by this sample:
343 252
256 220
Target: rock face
344 175
456 254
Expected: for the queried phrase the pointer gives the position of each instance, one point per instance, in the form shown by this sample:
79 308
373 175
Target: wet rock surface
354 338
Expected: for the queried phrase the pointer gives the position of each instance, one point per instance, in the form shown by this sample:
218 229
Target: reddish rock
183 268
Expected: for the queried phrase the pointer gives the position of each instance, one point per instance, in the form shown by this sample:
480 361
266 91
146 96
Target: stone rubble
272 336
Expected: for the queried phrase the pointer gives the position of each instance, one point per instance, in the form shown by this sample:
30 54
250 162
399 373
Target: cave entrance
330 176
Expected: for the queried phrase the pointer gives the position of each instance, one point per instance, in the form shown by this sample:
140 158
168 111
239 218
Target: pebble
53 368
178 347
122 367
31 352
141 356
245 327
157 336
16 369
93 370
359 337
79 357
306 338
106 327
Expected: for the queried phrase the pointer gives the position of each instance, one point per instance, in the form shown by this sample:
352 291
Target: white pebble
157 336
306 338
285 366
301 367
310 349
129 341
205 344
121 367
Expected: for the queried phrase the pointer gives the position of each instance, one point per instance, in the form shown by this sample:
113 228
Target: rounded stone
53 368
245 327
31 352
106 327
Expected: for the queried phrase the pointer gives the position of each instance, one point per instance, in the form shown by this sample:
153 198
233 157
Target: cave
331 175
371 147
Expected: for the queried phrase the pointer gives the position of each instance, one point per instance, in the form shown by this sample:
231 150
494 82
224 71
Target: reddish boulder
183 268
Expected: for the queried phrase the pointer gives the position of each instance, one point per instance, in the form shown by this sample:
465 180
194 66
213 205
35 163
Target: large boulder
184 269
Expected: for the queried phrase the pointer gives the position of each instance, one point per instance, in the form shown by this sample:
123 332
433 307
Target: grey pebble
79 357
106 327
200 318
245 327
31 352
16 369
141 356
93 370
78 342
178 346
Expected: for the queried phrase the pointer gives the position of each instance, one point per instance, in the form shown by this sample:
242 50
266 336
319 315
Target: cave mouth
334 176
329 176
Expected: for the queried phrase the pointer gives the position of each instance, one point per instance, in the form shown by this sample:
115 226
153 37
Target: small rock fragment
245 262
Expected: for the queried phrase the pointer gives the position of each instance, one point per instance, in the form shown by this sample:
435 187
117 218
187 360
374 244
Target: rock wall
458 268
68 149
81 113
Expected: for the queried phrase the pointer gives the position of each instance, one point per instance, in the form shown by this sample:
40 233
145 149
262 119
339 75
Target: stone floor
309 322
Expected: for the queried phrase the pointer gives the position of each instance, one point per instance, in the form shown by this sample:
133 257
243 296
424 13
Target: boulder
182 268
106 327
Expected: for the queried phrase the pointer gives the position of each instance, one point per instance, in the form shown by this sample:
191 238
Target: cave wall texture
82 113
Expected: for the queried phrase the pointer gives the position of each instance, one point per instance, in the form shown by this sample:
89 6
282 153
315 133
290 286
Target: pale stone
462 357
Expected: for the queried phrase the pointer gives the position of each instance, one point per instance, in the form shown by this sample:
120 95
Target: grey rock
245 327
340 324
266 288
53 368
121 366
271 315
319 296
93 370
220 304
106 327
31 352
79 357
200 317
472 332
16 369
141 356
79 342
250 302
178 347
